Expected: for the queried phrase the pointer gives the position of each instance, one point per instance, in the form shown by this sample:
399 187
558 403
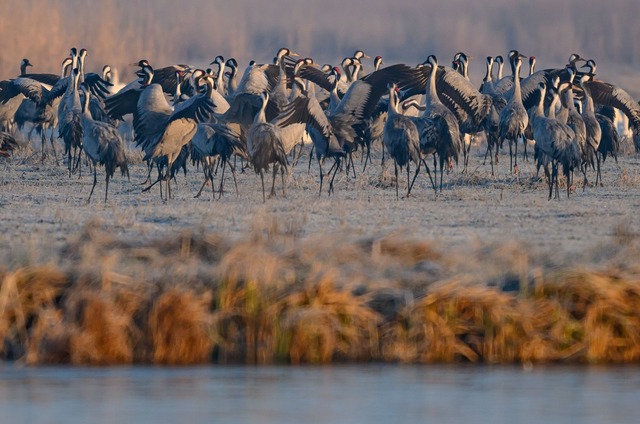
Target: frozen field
41 206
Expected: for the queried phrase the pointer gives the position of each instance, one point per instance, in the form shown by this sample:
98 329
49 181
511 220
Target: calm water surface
336 394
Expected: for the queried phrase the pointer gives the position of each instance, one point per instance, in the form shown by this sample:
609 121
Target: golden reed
278 298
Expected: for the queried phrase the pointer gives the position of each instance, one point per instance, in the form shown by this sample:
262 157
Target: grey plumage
555 143
265 148
449 144
402 140
513 117
102 145
162 131
593 132
213 143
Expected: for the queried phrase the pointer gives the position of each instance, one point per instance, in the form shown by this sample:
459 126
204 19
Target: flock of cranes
213 117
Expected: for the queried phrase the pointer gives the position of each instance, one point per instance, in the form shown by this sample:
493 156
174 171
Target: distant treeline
119 32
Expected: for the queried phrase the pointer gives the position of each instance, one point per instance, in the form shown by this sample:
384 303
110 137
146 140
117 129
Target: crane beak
293 54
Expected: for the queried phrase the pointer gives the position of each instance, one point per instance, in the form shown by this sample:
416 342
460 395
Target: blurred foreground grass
277 297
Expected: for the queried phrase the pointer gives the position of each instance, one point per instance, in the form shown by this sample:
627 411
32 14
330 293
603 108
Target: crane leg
282 171
233 174
204 183
224 165
321 177
311 157
395 164
44 144
335 171
414 176
429 173
53 147
106 190
368 158
549 180
262 179
515 157
95 181
273 181
168 178
510 156
441 172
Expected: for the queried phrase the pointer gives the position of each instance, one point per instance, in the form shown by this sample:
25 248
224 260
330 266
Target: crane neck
356 70
432 94
261 116
65 66
552 107
178 91
464 67
393 103
517 94
539 112
500 69
219 79
81 68
334 99
488 78
85 105
233 81
588 100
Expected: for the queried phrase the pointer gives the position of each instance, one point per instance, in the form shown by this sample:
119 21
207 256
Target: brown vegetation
119 32
275 297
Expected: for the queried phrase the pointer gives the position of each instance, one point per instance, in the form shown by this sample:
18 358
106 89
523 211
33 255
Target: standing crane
513 117
265 148
102 144
593 131
402 140
555 142
162 131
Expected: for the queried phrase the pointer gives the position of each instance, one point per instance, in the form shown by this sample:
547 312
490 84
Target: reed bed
277 297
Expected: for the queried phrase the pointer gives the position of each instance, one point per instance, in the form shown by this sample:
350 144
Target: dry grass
277 297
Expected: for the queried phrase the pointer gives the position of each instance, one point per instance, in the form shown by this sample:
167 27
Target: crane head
25 62
141 63
219 60
432 60
591 65
359 54
575 57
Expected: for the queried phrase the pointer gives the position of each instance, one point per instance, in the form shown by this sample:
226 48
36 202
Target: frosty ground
42 207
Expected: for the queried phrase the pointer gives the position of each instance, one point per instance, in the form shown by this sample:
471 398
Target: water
337 394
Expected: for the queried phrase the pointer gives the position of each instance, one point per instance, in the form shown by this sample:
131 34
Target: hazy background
195 31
